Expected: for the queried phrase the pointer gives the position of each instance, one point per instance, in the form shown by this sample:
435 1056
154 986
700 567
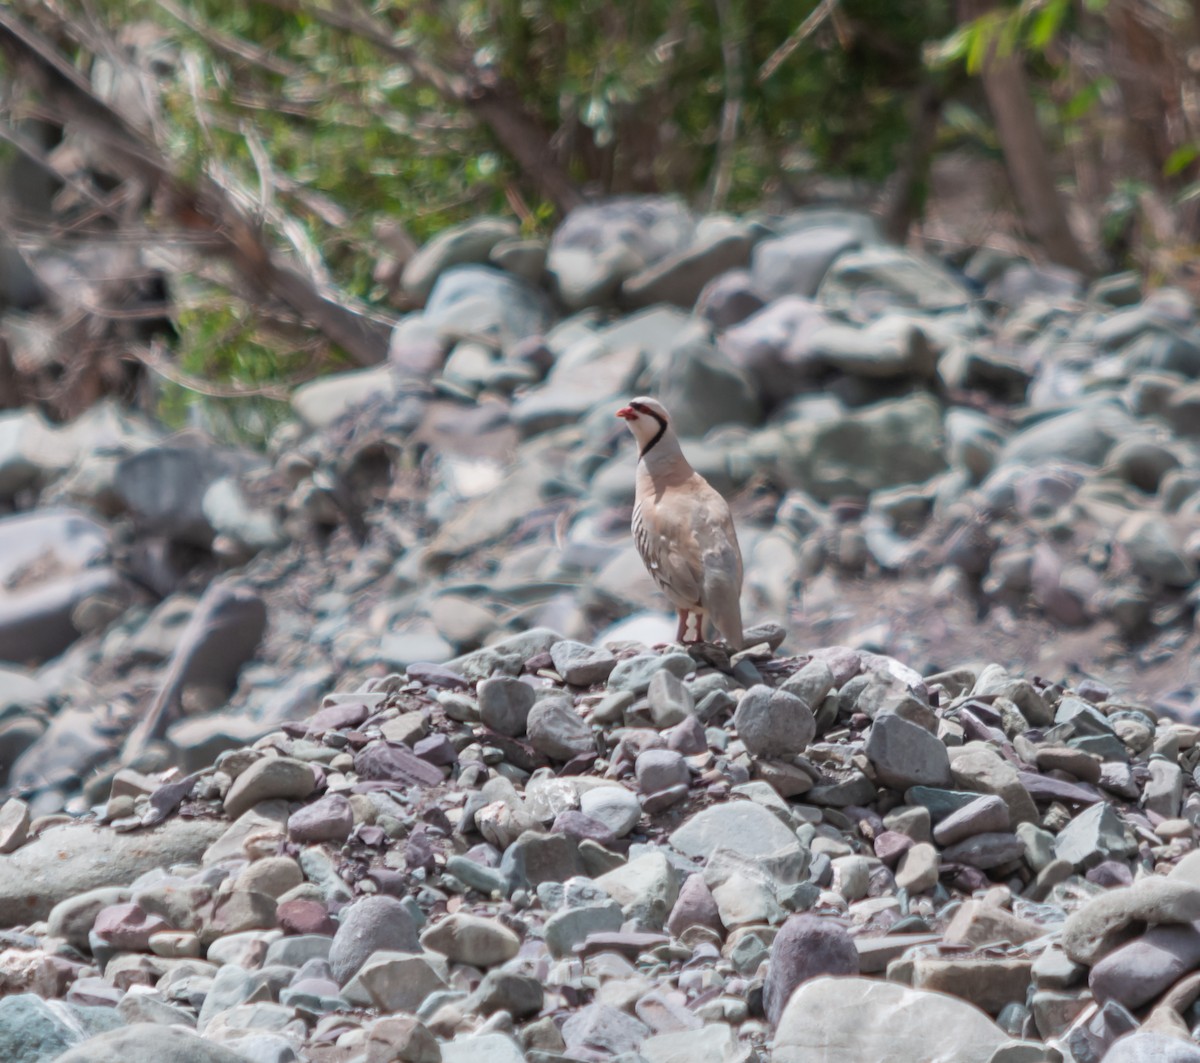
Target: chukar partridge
683 529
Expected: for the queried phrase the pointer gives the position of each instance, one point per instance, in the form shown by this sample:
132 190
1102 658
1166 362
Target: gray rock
37 602
599 245
1095 835
905 754
876 278
848 1020
774 723
678 278
65 861
536 857
806 946
330 819
795 264
569 927
505 703
646 888
983 770
889 347
395 980
32 1029
1155 547
269 779
1136 973
370 925
742 826
556 729
481 301
149 1043
318 403
634 673
518 994
1083 435
772 347
728 299
983 815
1144 1046
604 1029
482 1048
714 1042
886 445
985 851
470 242
581 665
1163 793
670 701
470 939
614 806
163 489
72 919
1095 929
661 769
701 387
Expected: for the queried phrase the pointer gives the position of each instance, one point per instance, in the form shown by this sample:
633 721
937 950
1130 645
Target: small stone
401 1037
504 704
394 981
557 730
984 815
581 665
1095 835
1139 971
983 770
127 926
329 819
518 994
905 754
695 906
660 769
1095 929
773 723
670 701
471 939
14 824
368 926
985 851
268 779
805 947
614 806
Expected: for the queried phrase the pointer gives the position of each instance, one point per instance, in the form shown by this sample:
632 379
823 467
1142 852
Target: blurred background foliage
349 131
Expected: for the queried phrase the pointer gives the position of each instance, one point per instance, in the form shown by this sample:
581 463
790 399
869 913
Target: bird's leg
686 616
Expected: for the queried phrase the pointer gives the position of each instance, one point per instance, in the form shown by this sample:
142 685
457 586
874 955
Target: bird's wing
667 545
721 565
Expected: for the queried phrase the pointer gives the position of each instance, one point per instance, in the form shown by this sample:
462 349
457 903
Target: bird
683 529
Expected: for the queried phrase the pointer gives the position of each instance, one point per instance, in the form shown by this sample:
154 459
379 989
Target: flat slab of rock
67 860
849 1020
743 826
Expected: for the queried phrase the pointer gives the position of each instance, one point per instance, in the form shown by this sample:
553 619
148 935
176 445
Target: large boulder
50 561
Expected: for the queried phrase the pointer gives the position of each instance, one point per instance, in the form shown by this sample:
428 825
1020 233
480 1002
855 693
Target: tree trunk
1025 154
905 198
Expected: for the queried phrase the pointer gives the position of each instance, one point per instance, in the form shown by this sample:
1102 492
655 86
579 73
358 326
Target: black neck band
662 430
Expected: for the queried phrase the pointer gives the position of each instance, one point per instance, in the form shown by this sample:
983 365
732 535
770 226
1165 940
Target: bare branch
199 204
731 111
805 30
494 103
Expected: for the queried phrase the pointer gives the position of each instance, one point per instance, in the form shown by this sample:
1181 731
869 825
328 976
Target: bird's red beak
627 413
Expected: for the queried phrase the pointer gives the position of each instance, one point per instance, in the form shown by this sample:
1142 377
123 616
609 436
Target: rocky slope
371 748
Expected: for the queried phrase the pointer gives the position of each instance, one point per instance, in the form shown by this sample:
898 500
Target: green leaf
1046 24
1180 159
